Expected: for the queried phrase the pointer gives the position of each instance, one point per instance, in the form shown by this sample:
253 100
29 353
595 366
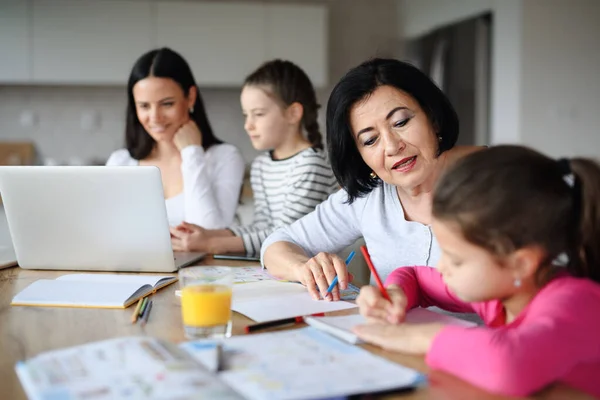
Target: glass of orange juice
206 301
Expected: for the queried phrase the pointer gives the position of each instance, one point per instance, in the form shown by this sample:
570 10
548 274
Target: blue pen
335 280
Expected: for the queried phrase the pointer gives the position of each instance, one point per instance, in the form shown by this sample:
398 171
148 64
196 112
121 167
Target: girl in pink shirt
520 240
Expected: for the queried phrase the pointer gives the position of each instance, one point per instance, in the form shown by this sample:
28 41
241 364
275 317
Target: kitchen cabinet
14 41
93 42
222 42
88 41
299 33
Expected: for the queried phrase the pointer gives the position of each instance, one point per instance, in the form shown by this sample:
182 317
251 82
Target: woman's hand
189 237
377 309
188 135
405 338
320 271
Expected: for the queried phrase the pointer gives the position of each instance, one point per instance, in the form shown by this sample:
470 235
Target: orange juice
206 305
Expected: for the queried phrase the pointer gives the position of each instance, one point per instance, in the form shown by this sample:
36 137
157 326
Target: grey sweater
378 217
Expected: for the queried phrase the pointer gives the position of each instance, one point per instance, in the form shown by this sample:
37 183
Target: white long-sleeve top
212 183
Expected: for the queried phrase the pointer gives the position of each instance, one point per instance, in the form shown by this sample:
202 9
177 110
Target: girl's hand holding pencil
380 304
376 308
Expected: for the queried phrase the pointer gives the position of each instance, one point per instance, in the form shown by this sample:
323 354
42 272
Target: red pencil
278 322
375 274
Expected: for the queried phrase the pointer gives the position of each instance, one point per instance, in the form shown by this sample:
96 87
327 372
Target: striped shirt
284 191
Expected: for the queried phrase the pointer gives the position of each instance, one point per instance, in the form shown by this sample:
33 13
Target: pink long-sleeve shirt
556 338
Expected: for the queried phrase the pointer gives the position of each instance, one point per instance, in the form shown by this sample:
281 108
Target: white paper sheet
271 300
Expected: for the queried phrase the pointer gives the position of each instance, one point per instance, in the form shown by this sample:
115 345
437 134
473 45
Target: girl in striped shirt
291 178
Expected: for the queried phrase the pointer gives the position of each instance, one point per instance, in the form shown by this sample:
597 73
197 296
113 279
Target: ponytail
290 84
584 259
509 197
309 120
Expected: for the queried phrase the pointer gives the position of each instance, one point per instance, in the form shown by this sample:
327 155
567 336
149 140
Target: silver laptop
89 218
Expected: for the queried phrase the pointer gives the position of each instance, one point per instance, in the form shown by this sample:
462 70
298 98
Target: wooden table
27 331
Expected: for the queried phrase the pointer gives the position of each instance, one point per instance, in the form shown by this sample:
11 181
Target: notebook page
56 292
129 367
303 364
271 300
341 326
140 280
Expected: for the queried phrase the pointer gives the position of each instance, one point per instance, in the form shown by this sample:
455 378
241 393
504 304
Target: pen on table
335 280
384 292
220 357
146 313
143 307
136 312
278 322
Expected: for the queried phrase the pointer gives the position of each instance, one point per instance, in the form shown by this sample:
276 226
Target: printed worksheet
302 364
123 368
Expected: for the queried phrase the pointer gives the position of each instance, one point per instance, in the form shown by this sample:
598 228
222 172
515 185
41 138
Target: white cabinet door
222 42
89 41
15 61
299 33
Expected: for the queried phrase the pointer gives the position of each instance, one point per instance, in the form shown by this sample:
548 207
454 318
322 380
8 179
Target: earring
517 282
191 110
439 138
373 175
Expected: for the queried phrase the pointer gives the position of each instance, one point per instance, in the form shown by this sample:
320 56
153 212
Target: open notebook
341 327
91 290
296 364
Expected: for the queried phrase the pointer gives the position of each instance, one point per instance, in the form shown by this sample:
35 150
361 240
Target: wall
417 17
58 133
560 85
59 109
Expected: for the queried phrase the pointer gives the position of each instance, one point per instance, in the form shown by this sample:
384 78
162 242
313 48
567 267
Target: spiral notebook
91 290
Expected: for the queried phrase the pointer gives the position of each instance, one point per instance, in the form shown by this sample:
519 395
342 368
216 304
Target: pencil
278 322
146 313
143 307
136 312
335 280
384 292
271 324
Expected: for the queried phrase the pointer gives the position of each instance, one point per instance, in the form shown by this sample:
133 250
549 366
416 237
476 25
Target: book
298 364
270 300
91 290
341 327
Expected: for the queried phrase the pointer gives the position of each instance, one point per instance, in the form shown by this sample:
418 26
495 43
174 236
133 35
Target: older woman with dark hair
391 134
167 127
